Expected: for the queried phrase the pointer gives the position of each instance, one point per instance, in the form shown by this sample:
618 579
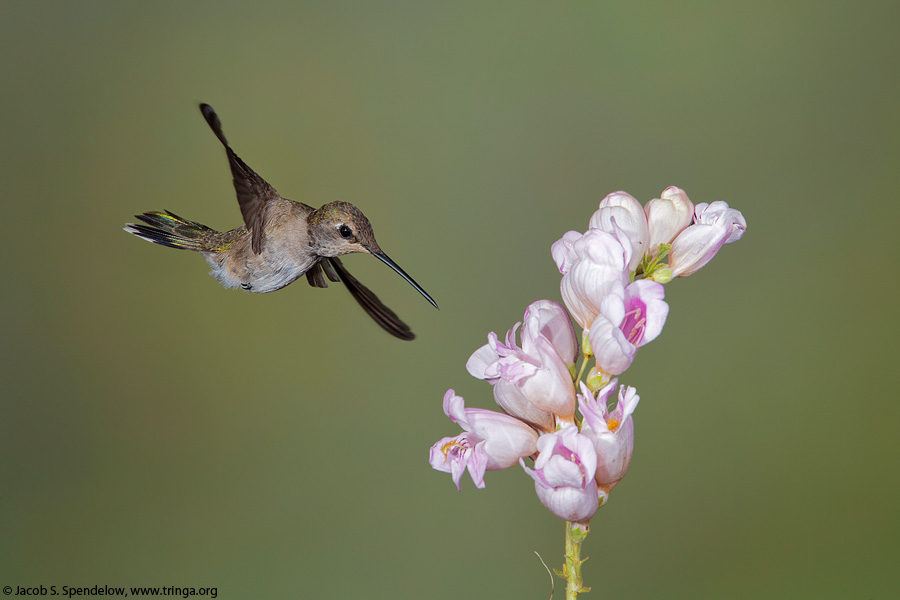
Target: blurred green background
160 430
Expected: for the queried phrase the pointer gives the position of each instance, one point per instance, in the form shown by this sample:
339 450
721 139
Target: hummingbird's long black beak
387 260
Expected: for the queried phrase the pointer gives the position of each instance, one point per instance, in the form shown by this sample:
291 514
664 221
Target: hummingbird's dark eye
345 232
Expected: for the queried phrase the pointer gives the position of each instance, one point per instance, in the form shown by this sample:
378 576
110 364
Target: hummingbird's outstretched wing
384 316
252 190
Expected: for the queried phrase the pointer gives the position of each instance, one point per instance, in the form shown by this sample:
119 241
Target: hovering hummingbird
280 241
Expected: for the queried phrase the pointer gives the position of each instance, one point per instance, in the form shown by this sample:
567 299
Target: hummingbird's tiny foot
247 287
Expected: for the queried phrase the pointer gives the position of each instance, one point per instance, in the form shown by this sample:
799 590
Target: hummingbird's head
340 228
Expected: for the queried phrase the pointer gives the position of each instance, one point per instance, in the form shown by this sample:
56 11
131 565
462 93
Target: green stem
581 371
575 534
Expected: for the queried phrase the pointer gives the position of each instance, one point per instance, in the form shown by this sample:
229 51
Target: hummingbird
280 241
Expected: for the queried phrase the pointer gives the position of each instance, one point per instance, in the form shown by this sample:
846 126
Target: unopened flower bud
667 216
597 378
628 215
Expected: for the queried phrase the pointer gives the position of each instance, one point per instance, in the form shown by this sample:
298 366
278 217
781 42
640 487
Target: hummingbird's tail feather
168 229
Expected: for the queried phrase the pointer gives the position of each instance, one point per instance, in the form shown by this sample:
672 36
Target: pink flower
593 265
564 474
563 251
612 433
714 226
628 215
550 320
667 216
627 320
533 382
491 441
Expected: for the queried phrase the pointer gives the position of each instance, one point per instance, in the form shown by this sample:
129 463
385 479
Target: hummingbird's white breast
285 255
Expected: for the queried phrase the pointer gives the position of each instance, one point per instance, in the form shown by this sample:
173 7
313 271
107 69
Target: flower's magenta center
633 326
564 452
